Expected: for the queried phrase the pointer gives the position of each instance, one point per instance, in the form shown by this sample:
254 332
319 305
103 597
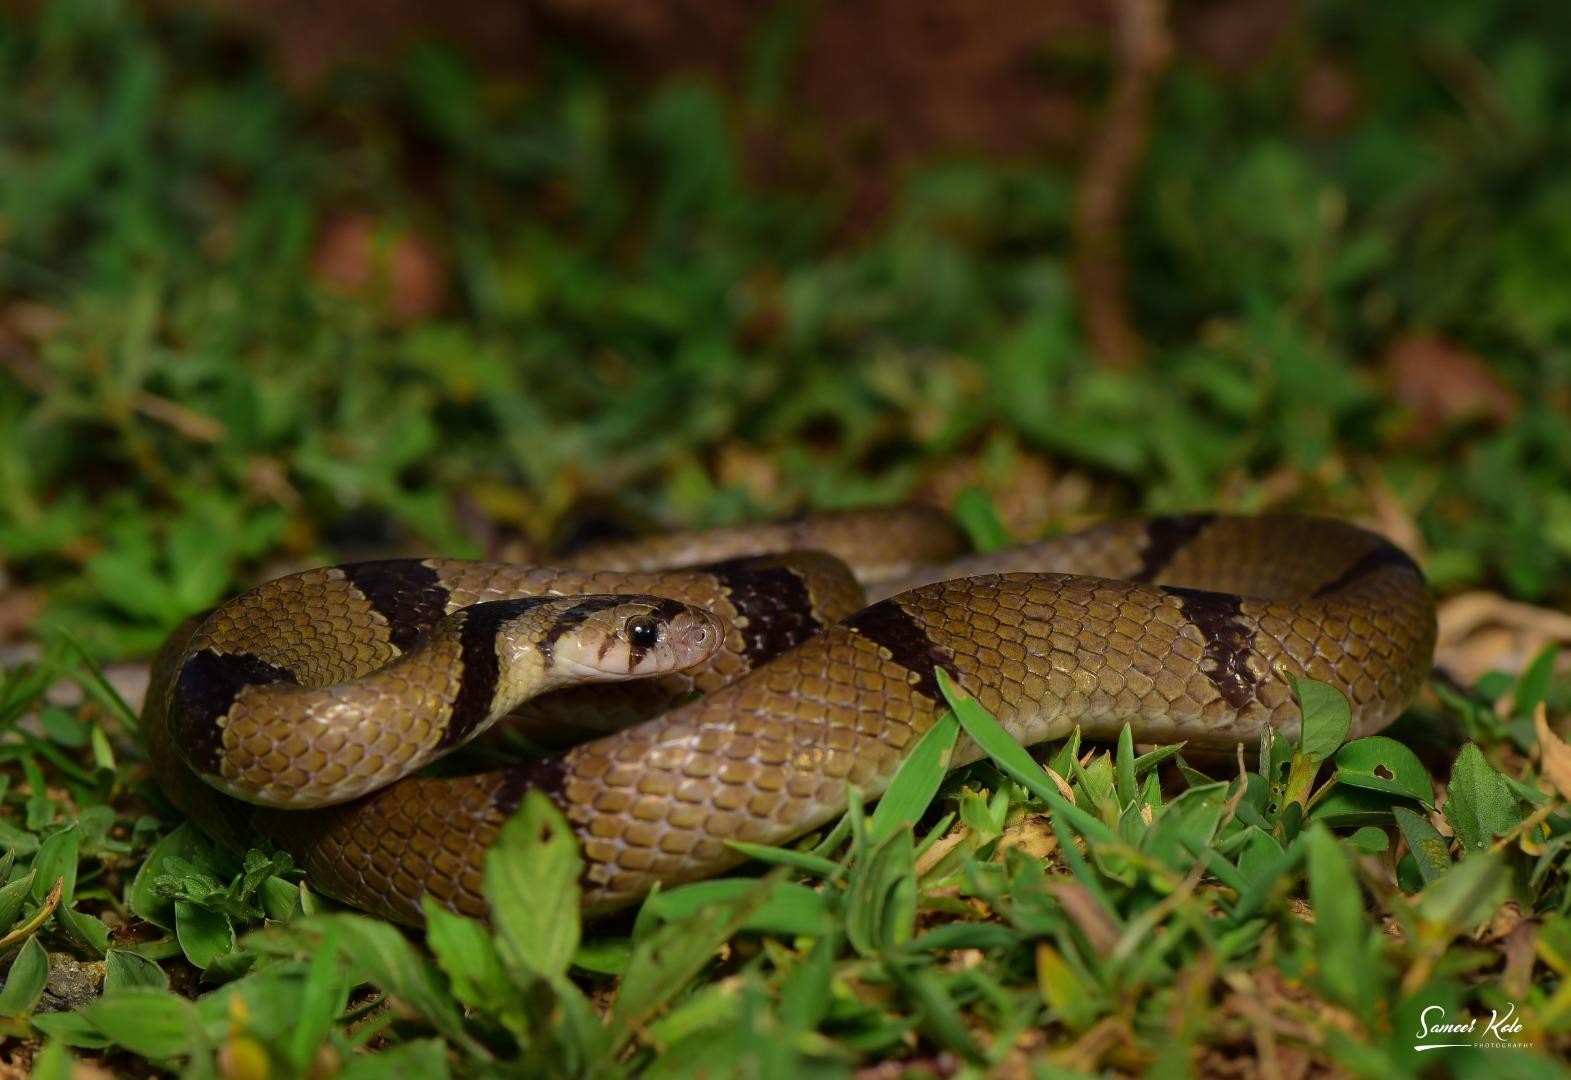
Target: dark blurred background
285 282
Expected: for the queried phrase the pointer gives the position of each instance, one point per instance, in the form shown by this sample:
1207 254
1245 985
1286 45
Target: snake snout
696 635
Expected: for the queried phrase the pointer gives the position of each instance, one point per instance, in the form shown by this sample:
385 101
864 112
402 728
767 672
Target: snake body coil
312 689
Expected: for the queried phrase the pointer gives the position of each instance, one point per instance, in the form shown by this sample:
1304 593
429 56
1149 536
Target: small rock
72 983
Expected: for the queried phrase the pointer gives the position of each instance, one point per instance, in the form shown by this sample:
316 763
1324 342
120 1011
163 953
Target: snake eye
643 631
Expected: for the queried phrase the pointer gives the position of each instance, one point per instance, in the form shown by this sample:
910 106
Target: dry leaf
1556 755
936 852
1063 787
402 272
1444 385
1033 835
1482 632
1088 914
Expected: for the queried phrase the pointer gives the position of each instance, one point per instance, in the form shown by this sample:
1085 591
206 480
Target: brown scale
769 756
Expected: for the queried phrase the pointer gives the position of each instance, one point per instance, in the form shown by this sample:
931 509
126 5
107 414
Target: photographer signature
1499 1033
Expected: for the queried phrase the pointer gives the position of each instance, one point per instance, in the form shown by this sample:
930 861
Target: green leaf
1016 763
1260 859
88 931
1124 767
124 970
978 516
531 880
377 952
1378 763
578 1038
917 780
714 1014
71 1028
95 822
53 1062
1326 718
1466 894
1554 942
665 961
1152 758
604 956
1493 685
98 686
965 935
280 899
1534 685
56 860
1271 754
804 861
420 1059
806 990
880 906
1431 851
1341 932
152 1023
1185 827
321 999
185 843
789 909
464 950
940 1017
12 897
229 966
1343 807
1479 803
25 982
1408 879
62 727
204 934
104 763
1369 840
1098 785
1072 999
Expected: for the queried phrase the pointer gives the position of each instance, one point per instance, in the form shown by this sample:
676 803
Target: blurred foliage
624 309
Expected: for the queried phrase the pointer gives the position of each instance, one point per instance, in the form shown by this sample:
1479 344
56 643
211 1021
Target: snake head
609 638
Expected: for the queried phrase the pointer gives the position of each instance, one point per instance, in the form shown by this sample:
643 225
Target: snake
777 667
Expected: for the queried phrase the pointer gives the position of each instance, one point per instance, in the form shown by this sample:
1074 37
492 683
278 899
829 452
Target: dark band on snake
1227 650
547 776
893 628
773 600
1379 558
207 687
481 665
1165 537
573 618
406 592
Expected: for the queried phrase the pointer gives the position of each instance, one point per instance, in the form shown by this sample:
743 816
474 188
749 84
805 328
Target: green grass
185 407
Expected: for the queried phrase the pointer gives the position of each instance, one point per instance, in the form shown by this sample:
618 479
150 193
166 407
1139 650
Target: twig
1142 48
51 902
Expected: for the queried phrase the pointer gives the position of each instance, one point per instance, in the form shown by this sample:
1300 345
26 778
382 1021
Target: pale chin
612 668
